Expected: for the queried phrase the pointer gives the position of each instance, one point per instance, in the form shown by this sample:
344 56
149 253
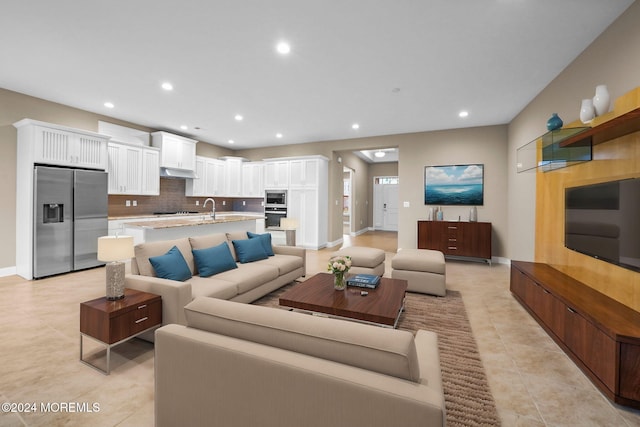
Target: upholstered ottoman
364 260
424 269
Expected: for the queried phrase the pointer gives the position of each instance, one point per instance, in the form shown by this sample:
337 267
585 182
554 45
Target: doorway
385 203
347 199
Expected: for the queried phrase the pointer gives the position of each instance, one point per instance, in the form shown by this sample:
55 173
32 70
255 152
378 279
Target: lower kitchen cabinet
601 335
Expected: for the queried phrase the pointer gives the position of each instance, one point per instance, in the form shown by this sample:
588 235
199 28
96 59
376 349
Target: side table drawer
146 317
137 320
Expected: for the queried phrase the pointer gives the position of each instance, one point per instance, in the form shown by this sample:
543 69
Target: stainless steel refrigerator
70 213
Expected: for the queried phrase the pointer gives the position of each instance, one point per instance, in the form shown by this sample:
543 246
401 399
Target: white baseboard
8 271
335 243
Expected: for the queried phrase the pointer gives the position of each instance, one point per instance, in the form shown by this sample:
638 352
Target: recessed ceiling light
463 113
184 127
379 154
167 86
355 126
231 141
278 135
283 48
238 117
109 104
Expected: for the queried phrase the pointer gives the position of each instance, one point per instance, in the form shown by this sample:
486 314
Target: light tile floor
533 382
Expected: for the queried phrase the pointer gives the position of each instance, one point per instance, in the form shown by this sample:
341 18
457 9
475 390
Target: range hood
177 173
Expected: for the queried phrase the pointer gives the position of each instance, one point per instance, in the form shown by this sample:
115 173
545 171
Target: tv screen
603 221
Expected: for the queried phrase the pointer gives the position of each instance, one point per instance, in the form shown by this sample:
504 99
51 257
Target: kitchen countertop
182 215
192 220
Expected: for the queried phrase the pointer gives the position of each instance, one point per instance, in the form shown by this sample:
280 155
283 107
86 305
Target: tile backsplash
172 199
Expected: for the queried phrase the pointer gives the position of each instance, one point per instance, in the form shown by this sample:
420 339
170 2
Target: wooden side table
114 322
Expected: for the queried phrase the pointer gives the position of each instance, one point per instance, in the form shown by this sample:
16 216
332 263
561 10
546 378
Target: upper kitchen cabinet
253 179
195 187
305 173
176 152
233 176
210 179
62 146
133 169
276 174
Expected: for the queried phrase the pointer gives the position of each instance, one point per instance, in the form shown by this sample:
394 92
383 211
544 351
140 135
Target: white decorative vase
602 100
473 214
430 217
587 112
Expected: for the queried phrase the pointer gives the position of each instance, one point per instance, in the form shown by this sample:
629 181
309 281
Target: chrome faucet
213 208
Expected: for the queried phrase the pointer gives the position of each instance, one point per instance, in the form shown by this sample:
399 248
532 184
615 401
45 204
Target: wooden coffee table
382 306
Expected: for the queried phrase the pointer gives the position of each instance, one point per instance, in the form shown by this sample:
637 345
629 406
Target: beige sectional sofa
246 283
245 365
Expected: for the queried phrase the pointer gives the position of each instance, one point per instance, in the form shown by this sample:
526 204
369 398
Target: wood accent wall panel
612 160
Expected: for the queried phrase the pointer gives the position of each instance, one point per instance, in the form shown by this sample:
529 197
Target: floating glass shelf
545 153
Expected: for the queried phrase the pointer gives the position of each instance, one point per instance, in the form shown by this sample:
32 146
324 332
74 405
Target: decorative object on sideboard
439 214
554 122
430 216
587 111
473 214
114 249
602 100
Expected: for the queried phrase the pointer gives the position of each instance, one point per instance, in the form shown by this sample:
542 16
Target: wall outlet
127 203
406 204
197 202
262 203
244 203
224 203
135 203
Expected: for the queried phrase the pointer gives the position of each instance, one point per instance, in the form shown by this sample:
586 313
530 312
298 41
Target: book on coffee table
364 281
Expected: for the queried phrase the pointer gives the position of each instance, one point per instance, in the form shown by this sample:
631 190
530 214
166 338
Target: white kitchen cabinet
253 179
196 186
233 176
176 151
304 173
133 169
124 169
276 174
215 173
150 171
62 146
308 198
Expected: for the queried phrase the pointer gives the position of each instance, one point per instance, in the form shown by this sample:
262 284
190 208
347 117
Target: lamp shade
115 248
289 223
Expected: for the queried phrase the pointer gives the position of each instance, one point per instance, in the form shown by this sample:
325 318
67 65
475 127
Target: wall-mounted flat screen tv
603 221
454 185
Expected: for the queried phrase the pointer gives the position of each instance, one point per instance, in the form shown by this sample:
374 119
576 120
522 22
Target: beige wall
612 59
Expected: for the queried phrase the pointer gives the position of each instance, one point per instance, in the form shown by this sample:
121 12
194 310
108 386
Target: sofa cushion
235 235
284 263
212 287
249 250
265 239
171 265
387 351
213 260
206 241
249 276
145 250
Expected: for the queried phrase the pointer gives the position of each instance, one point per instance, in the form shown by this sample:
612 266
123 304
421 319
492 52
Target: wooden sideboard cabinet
601 335
464 239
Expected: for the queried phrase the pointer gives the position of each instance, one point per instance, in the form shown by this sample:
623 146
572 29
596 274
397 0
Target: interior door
385 206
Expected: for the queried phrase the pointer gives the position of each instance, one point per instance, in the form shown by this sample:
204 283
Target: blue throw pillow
171 265
214 260
249 250
265 239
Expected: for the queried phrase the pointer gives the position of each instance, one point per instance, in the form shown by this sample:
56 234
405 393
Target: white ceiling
390 66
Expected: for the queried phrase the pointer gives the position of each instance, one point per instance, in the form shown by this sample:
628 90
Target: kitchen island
163 228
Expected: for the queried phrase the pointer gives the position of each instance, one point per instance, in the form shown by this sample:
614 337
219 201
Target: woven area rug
466 391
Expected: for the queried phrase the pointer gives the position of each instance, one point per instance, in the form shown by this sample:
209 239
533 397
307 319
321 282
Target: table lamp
112 250
289 225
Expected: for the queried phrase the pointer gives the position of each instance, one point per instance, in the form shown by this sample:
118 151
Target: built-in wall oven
275 207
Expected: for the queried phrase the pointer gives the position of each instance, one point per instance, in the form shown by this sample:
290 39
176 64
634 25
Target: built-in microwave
275 198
